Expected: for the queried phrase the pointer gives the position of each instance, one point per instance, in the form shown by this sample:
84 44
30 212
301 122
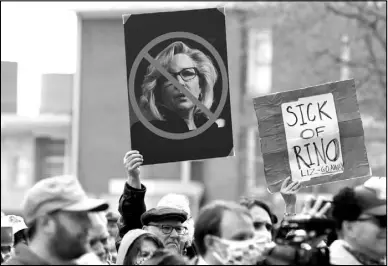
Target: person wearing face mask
263 218
224 234
168 109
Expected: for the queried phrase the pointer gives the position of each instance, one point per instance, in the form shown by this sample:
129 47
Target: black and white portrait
161 97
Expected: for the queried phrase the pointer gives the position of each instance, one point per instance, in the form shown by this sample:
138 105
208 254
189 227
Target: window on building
22 167
53 165
259 76
50 157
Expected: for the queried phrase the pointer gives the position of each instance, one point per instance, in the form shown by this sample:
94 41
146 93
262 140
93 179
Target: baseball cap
163 213
16 222
58 193
371 196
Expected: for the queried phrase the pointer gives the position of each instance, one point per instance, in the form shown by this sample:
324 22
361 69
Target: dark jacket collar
173 118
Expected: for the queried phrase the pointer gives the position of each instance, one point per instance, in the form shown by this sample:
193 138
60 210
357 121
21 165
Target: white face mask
89 258
247 252
263 236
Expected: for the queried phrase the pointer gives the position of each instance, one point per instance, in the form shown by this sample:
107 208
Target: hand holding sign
288 191
313 134
178 86
132 162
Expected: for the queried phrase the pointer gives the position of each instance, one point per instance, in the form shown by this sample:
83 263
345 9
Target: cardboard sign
314 135
178 85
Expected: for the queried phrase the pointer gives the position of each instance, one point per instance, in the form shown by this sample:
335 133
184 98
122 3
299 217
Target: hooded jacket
127 242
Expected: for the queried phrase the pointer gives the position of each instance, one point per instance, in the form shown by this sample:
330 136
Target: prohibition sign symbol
144 54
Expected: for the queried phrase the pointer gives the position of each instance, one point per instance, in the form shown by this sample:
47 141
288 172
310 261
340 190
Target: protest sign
314 135
178 91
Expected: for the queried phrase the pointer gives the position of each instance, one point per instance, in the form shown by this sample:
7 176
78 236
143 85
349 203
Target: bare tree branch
360 64
372 25
361 19
373 59
349 15
368 10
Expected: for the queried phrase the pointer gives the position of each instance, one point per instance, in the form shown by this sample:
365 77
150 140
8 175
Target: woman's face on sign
172 97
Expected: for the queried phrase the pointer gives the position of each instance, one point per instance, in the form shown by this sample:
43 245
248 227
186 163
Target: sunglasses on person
380 220
167 229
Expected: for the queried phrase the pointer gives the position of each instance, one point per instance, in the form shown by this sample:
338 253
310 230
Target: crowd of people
62 225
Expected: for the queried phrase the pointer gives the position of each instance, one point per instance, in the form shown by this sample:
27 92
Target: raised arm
131 203
288 191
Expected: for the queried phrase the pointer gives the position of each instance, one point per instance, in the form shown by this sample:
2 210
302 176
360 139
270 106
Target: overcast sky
41 37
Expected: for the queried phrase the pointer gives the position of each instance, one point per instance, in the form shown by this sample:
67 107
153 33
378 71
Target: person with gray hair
181 201
170 110
166 221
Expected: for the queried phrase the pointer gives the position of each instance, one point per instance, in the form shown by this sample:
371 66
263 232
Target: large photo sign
314 135
178 87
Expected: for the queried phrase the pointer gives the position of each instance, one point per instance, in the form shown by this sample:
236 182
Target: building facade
265 54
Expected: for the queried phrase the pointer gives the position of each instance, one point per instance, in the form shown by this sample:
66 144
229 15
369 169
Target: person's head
137 246
167 224
56 211
263 219
180 201
192 69
361 217
221 228
7 239
112 224
166 257
18 228
98 236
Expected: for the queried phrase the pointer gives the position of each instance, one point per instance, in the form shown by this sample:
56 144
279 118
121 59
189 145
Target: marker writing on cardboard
318 151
